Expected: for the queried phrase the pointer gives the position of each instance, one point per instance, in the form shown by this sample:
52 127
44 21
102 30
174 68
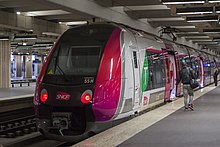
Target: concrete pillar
28 67
5 64
18 61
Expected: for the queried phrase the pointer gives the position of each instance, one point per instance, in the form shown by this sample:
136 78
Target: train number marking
88 80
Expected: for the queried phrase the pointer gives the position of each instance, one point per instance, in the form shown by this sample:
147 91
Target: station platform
17 92
168 125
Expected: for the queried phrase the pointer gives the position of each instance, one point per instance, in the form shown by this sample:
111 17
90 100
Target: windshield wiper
60 70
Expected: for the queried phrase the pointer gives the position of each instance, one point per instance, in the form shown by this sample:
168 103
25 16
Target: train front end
80 82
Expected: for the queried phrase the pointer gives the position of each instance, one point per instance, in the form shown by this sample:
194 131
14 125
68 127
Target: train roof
144 34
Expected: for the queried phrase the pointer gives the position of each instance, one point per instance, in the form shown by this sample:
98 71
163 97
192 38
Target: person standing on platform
186 76
215 76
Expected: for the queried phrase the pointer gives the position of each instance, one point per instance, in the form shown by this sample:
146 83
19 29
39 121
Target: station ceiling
195 20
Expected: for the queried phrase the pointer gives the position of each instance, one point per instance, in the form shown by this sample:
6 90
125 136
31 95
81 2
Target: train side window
156 74
135 59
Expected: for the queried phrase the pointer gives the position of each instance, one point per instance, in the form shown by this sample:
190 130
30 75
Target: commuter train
100 73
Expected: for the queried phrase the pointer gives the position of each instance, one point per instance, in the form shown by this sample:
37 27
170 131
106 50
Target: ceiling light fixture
45 13
18 13
75 23
40 44
216 38
193 13
194 10
210 20
202 40
210 43
202 19
178 2
211 31
196 37
184 33
4 38
183 27
50 34
217 9
214 1
28 37
166 19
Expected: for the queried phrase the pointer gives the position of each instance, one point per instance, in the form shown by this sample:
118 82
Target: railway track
18 128
17 123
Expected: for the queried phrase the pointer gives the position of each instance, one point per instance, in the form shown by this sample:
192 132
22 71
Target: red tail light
86 98
44 97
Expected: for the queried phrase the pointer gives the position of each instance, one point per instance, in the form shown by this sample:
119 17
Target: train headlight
44 96
86 97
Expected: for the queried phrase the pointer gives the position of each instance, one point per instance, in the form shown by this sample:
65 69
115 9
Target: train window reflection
156 74
75 60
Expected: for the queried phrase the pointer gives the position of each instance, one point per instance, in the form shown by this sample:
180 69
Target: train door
178 70
170 68
167 73
136 72
201 71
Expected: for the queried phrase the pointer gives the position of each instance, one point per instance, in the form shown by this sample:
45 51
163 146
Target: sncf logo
62 96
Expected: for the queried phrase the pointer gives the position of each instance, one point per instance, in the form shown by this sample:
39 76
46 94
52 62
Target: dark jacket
186 75
216 73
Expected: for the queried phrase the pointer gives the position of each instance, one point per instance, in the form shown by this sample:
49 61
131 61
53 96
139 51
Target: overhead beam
22 23
112 3
150 11
108 14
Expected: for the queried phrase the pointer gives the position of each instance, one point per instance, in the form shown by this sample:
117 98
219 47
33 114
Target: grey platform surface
198 128
15 92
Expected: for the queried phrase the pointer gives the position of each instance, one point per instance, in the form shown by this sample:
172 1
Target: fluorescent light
202 19
193 13
45 13
181 33
210 20
4 38
214 1
28 37
42 44
72 23
192 37
169 2
18 13
50 34
211 31
183 27
202 40
75 23
194 10
216 39
166 19
210 43
147 7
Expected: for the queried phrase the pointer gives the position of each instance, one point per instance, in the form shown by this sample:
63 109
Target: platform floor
168 126
17 92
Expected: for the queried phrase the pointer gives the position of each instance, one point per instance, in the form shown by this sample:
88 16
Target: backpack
186 76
